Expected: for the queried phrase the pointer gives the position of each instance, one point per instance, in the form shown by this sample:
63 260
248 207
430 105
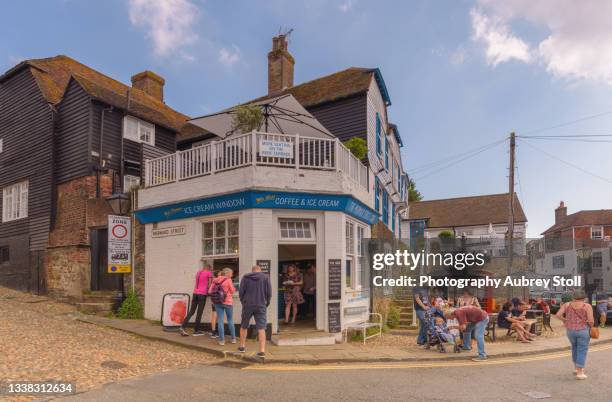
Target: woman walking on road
578 318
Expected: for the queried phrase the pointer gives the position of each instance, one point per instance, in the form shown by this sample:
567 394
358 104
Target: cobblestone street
42 340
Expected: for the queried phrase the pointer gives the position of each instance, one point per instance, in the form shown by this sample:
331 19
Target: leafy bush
393 316
446 235
131 307
357 146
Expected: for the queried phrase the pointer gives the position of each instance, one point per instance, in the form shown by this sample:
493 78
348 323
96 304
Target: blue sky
461 74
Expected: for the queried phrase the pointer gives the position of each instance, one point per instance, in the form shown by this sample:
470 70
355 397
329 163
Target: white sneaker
221 343
234 340
581 376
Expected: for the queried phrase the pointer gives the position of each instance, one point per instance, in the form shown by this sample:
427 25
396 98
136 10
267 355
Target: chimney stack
560 213
150 83
280 66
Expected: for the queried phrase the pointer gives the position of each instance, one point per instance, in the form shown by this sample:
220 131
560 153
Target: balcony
244 161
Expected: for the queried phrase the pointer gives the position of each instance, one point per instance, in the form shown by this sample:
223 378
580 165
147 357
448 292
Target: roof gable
583 218
466 211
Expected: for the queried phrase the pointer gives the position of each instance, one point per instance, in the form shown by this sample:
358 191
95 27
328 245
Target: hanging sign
275 149
119 244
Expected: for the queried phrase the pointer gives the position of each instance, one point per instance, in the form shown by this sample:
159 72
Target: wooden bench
490 329
364 326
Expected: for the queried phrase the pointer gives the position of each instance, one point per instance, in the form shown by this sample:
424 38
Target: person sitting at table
519 314
505 320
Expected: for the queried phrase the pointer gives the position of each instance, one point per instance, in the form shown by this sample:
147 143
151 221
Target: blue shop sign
259 199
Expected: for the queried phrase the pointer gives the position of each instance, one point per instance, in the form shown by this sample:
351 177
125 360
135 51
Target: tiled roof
583 218
466 211
53 74
345 83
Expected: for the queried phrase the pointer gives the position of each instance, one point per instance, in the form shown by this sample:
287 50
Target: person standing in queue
213 317
310 290
221 292
471 318
198 300
255 295
420 298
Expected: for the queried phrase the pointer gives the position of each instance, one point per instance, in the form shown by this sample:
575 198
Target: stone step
317 340
100 297
94 308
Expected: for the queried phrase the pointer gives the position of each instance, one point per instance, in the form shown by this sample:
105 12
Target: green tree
246 118
357 146
413 193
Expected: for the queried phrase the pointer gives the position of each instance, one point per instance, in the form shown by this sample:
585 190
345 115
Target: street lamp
119 203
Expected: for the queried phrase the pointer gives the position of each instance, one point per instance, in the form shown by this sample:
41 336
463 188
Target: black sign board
334 270
264 265
333 317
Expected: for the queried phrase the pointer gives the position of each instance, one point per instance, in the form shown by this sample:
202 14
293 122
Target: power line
539 130
565 136
483 149
567 139
435 164
567 163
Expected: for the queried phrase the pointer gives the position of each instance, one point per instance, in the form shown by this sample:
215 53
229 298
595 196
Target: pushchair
438 335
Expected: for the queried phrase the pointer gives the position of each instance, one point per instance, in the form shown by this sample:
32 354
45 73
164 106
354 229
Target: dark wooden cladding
26 123
345 118
165 139
72 137
111 135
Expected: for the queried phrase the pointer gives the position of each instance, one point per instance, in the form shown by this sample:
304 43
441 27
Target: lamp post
584 254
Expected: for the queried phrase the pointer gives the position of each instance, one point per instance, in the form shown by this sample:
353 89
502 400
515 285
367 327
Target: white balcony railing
244 150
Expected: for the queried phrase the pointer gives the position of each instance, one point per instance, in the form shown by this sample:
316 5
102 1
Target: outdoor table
537 317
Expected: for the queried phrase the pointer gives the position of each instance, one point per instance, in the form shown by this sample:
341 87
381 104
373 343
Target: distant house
475 217
71 136
557 250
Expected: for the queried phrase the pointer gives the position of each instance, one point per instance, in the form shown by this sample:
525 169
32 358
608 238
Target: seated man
519 315
506 320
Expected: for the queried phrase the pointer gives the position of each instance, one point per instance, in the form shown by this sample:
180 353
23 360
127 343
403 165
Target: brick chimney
280 66
151 83
560 212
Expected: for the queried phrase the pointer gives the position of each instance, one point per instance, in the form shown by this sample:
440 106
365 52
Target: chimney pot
150 83
560 212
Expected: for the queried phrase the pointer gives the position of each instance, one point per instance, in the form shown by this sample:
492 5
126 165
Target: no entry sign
119 244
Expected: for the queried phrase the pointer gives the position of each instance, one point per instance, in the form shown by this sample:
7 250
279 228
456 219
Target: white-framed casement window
15 201
130 182
597 259
138 130
596 232
296 230
558 261
220 237
354 255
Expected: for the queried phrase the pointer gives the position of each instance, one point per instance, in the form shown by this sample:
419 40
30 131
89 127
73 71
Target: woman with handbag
578 319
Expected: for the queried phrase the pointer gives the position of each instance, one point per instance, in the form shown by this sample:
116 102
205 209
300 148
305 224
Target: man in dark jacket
255 295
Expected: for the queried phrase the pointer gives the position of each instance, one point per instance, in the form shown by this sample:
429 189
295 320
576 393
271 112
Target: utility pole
511 209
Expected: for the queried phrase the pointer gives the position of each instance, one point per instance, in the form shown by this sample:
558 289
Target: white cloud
578 41
229 57
346 6
458 56
501 45
168 23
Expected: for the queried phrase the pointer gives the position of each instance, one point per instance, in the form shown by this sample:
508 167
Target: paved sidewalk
351 352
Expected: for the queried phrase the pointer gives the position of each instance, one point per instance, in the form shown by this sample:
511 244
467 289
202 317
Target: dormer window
138 130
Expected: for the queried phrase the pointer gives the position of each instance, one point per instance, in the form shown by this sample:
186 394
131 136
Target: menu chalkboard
264 265
334 271
333 317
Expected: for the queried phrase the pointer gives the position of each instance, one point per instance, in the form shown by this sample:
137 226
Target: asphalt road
546 376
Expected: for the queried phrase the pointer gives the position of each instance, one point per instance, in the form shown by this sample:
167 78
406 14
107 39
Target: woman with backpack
221 293
198 300
578 319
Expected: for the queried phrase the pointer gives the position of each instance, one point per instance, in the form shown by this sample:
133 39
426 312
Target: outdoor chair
490 330
364 326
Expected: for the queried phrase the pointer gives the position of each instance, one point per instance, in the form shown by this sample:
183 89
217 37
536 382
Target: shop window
354 255
350 238
220 237
4 255
297 230
15 202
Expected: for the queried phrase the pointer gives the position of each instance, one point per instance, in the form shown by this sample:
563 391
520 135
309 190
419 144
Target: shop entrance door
304 258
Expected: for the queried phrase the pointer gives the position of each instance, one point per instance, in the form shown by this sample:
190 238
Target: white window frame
354 234
599 259
600 237
15 201
216 236
141 126
1 145
561 258
284 226
129 182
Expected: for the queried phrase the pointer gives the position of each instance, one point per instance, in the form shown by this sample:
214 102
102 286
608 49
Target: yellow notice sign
119 269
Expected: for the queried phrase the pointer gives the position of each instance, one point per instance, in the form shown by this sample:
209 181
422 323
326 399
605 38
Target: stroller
438 335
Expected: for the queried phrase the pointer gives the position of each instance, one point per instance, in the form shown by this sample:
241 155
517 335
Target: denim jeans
422 338
228 310
479 329
580 345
